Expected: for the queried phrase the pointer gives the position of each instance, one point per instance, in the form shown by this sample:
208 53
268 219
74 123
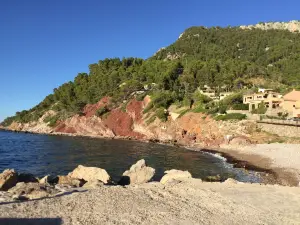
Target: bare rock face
67 180
32 190
138 173
292 26
90 174
8 179
175 175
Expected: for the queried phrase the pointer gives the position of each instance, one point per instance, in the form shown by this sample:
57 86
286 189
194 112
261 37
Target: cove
59 155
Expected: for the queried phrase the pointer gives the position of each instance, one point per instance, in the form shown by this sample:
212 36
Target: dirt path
188 202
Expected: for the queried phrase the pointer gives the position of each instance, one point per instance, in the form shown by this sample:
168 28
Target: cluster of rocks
14 186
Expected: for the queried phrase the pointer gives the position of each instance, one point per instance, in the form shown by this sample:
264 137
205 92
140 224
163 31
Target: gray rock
137 174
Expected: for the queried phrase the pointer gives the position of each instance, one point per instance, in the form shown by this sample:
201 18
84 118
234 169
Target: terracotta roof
292 96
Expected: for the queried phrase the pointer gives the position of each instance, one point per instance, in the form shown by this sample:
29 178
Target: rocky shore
88 196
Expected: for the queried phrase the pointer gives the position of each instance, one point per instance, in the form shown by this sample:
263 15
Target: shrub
199 109
260 110
231 116
148 108
183 112
240 107
162 114
51 120
141 96
163 99
101 111
200 98
236 98
151 119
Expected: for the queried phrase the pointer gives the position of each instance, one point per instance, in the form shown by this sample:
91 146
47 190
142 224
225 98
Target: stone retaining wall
281 130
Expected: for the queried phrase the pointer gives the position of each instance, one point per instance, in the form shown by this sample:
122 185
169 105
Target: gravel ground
188 202
284 159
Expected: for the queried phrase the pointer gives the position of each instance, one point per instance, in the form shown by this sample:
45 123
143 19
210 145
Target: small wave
217 155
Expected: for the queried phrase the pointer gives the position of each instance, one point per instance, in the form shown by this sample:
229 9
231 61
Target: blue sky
46 43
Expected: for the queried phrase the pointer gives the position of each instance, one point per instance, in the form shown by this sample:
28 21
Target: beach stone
138 173
8 179
67 180
94 184
32 190
175 175
230 181
90 174
216 178
27 178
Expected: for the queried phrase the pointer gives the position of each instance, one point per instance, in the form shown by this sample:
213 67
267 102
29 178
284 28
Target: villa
271 99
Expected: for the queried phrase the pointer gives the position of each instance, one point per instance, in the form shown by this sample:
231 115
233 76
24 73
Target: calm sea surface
42 155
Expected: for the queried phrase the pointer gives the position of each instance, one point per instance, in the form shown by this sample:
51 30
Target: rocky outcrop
192 129
90 174
137 174
292 26
175 175
8 179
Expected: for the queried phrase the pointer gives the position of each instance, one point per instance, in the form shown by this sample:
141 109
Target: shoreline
232 154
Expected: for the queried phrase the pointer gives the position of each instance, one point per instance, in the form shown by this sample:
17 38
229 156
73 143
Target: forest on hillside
218 57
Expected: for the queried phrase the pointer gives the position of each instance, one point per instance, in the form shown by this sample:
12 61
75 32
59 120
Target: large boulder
137 174
172 175
32 190
8 179
90 174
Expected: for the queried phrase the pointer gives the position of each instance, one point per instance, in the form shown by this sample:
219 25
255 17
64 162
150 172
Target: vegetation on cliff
218 57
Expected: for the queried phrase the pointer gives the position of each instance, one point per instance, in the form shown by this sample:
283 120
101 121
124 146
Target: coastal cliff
189 129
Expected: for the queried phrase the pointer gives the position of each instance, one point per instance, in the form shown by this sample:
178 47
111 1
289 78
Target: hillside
230 57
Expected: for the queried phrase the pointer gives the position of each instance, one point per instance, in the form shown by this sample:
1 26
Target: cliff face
292 26
190 129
